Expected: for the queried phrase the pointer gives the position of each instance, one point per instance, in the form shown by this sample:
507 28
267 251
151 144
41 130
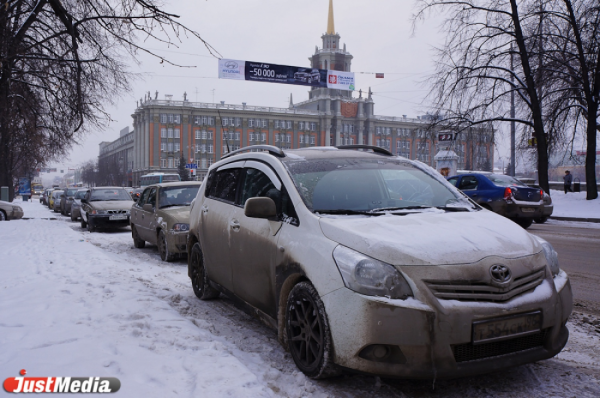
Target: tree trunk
590 158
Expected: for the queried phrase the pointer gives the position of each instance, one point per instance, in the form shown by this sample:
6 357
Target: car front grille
469 352
116 212
478 291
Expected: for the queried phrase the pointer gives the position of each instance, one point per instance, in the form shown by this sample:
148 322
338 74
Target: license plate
527 209
506 328
119 217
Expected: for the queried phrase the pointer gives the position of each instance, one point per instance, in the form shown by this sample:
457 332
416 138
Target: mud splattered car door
254 242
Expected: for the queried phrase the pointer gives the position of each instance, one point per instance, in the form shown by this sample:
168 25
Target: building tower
331 57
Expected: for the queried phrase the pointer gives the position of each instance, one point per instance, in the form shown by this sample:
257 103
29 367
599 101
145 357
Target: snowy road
79 304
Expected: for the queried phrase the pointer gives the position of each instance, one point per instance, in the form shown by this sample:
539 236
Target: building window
163 163
197 133
250 122
237 136
163 133
203 163
264 123
210 162
163 117
276 124
177 147
276 137
170 166
263 137
170 147
251 136
301 138
289 124
170 118
300 125
176 162
170 131
209 134
210 148
177 119
351 140
163 146
176 132
312 140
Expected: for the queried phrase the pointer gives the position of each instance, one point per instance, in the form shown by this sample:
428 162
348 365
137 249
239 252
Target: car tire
83 223
524 222
137 242
541 220
74 219
202 288
3 215
308 334
163 247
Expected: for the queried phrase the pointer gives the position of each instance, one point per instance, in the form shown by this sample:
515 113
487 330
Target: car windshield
79 194
177 196
109 194
70 192
347 185
505 181
57 194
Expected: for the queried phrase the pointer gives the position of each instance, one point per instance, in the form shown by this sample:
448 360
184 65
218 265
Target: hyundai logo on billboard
231 69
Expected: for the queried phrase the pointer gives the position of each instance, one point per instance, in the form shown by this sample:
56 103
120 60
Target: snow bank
574 204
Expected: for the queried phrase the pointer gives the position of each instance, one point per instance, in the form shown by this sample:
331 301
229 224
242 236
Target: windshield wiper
400 208
347 212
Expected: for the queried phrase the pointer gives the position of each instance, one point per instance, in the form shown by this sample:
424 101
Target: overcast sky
378 33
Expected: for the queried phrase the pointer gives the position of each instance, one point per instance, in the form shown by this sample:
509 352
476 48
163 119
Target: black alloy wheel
308 334
137 242
200 284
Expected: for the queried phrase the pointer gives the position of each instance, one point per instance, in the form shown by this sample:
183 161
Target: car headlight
17 208
99 212
368 276
551 256
181 227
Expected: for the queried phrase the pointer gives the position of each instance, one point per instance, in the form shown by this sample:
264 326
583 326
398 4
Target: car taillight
541 193
507 194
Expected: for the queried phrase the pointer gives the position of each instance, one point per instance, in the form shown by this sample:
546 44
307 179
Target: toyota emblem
500 273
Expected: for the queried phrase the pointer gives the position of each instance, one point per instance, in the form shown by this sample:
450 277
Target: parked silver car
375 263
76 204
57 197
103 207
162 217
10 211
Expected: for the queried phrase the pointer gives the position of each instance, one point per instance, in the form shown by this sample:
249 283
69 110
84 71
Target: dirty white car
371 262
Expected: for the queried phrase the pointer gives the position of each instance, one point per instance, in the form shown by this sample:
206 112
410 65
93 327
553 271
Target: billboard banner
285 74
24 186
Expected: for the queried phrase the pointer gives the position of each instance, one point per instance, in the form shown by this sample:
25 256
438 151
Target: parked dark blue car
502 194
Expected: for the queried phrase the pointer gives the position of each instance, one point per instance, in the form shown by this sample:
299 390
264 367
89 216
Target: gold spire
330 27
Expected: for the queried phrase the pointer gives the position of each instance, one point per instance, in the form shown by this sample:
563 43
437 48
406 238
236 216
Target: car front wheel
200 284
308 335
163 247
541 220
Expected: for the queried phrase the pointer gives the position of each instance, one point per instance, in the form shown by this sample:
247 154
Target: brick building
165 129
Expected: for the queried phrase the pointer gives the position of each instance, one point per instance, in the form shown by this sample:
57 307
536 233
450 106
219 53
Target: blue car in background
502 194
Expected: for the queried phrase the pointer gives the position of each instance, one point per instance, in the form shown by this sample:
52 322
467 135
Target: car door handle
235 225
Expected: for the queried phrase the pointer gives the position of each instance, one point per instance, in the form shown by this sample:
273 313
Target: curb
596 220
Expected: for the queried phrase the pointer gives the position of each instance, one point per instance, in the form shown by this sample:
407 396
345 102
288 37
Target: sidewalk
574 207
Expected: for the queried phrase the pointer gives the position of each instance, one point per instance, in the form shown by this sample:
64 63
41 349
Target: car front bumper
104 221
15 214
432 339
177 241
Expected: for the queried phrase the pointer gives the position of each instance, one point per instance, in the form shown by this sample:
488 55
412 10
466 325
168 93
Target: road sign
191 165
445 137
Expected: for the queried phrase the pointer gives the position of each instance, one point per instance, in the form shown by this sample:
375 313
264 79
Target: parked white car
375 263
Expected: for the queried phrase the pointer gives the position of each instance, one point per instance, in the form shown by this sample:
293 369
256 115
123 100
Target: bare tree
64 60
572 59
474 80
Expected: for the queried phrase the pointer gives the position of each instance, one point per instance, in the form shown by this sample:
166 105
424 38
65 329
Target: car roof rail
273 150
375 149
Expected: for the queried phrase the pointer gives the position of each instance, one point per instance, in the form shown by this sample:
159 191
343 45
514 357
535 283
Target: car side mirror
260 208
84 200
148 207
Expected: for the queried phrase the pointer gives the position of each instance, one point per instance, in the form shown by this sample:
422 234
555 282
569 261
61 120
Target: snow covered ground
574 204
79 304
